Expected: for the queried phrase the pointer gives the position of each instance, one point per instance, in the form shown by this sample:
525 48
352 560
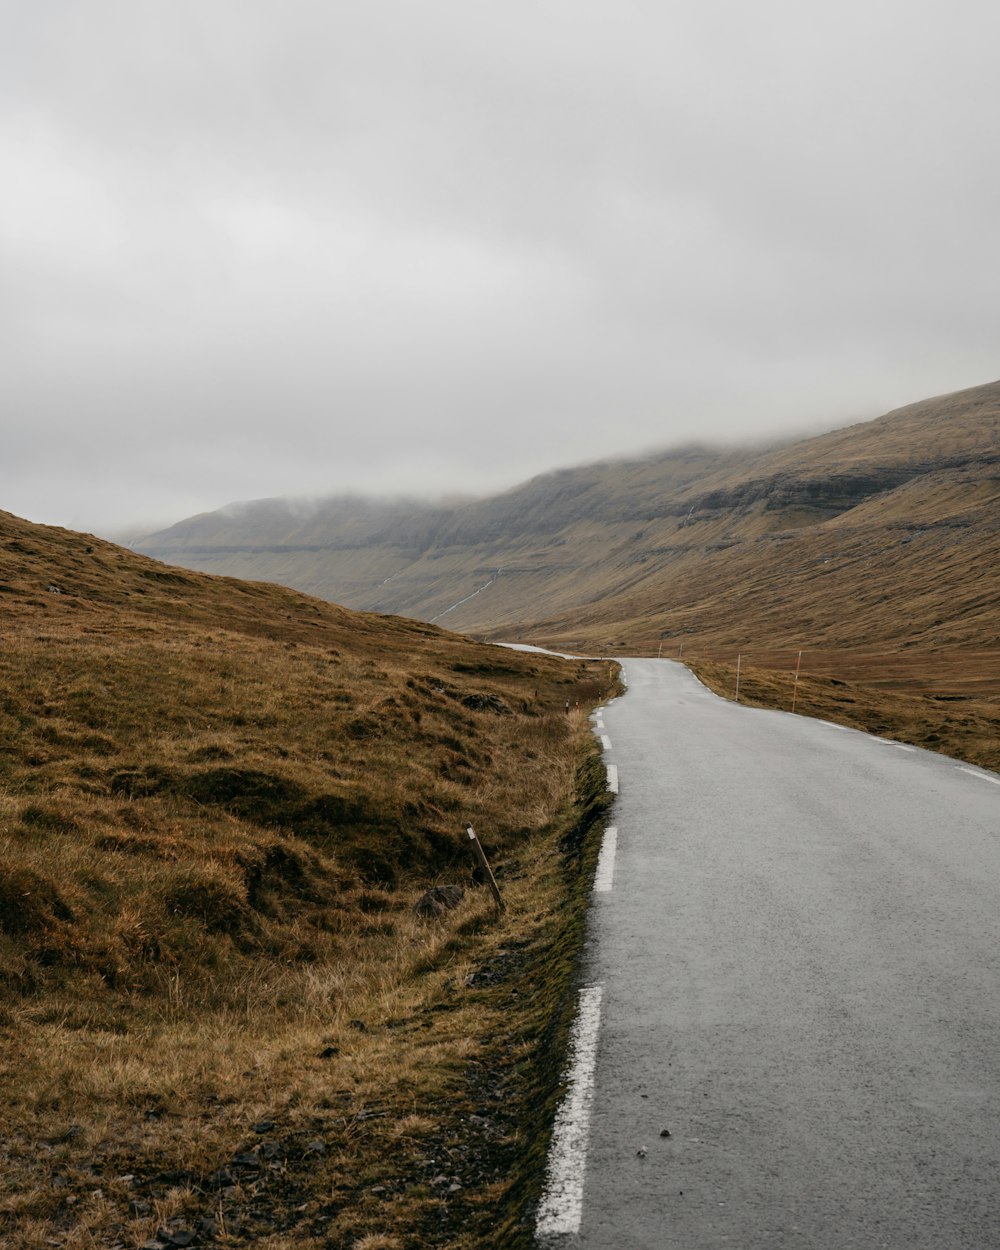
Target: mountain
884 532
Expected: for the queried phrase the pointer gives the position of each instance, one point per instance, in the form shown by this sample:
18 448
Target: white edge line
901 746
561 1209
604 878
605 742
994 781
613 778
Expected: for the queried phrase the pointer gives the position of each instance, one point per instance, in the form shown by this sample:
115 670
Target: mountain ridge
588 556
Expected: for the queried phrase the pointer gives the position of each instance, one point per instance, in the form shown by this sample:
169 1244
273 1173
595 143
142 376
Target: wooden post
795 684
491 881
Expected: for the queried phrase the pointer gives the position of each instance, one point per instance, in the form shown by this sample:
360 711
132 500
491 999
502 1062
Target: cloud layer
252 248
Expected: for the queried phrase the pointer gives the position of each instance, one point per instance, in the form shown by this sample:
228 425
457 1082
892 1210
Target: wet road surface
799 963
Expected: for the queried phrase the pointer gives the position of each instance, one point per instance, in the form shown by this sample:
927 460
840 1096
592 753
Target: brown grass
945 702
218 803
875 549
884 532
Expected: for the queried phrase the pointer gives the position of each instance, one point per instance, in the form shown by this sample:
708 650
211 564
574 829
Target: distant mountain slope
351 549
887 529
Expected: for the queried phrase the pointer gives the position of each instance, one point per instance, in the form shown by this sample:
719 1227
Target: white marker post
491 881
739 661
795 684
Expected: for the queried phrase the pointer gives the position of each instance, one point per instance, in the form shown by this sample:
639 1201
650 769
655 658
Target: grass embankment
222 1020
948 703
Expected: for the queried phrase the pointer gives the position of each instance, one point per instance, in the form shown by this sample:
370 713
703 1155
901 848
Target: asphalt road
800 963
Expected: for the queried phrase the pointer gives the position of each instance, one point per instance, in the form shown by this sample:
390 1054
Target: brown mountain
884 532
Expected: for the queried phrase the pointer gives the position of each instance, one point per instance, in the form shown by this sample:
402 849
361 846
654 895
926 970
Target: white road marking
613 778
605 876
561 1209
994 781
901 746
605 742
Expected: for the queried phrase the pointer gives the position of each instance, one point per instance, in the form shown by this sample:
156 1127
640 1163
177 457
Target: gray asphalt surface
801 970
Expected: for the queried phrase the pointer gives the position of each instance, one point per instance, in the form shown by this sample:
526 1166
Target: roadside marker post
491 881
795 683
739 661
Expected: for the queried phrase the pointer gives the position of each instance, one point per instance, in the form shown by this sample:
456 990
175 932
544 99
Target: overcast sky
268 247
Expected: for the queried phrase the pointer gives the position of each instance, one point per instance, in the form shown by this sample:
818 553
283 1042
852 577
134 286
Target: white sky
266 247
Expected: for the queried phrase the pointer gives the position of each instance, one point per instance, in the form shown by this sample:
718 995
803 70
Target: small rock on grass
439 898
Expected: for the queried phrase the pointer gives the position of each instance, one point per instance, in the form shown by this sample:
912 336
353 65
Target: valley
225 1021
874 550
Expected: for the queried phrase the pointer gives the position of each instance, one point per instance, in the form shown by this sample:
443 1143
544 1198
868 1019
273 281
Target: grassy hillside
221 1014
889 516
420 560
874 549
885 531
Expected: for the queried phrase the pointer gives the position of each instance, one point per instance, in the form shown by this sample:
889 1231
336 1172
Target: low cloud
250 249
